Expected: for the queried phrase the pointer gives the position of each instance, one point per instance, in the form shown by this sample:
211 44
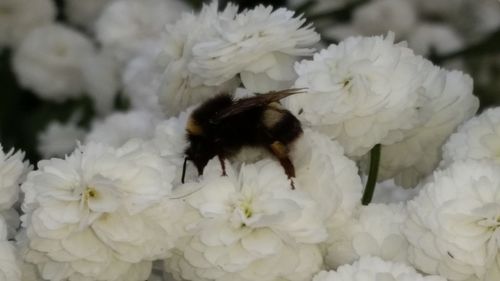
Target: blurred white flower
450 103
437 39
118 128
180 88
477 139
9 261
251 226
453 226
320 5
13 169
374 268
261 45
59 139
142 79
19 17
434 37
100 214
125 26
476 19
49 61
84 13
387 192
374 231
101 80
361 92
379 16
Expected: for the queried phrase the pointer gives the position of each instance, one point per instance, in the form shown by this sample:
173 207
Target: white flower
59 139
374 231
127 25
453 226
101 80
118 128
48 62
84 13
9 262
450 102
379 16
100 214
251 226
326 174
373 268
261 45
12 172
19 17
478 138
361 92
181 88
142 79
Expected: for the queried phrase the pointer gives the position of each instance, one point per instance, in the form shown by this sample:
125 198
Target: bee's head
199 152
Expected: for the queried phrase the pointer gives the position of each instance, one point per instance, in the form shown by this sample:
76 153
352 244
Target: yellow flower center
90 193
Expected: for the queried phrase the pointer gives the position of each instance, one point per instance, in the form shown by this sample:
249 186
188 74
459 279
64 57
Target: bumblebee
221 126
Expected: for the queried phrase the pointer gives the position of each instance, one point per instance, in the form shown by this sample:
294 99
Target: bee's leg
281 152
222 164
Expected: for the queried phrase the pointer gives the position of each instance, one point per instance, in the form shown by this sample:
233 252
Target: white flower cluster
478 138
100 213
211 52
405 101
13 169
453 223
374 231
123 201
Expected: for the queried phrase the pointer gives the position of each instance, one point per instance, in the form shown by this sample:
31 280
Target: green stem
372 175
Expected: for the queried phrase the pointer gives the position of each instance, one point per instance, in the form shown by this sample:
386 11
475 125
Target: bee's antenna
184 169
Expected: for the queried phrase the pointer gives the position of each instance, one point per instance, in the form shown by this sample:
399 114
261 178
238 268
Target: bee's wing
245 104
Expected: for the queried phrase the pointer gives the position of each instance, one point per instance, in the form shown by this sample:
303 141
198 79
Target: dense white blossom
261 45
373 231
373 268
101 213
19 17
84 13
118 128
452 224
450 102
12 171
101 80
251 226
179 87
125 26
59 139
49 61
361 92
478 138
379 16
